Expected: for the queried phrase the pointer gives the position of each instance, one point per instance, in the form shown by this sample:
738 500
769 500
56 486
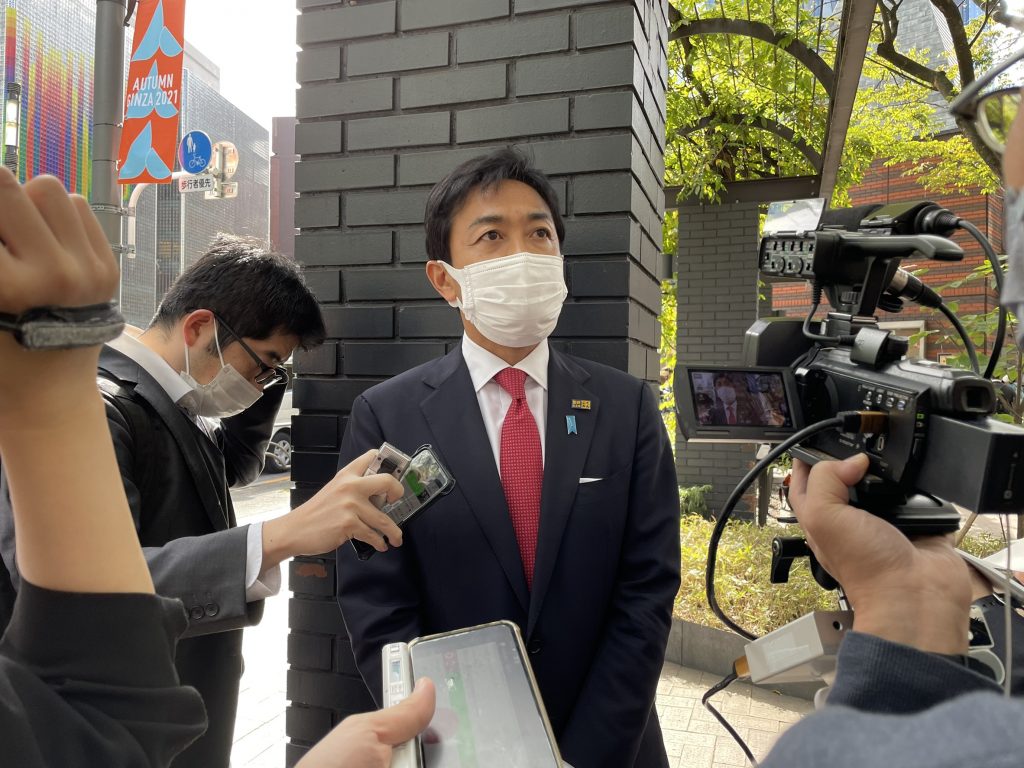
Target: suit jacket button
533 647
196 613
212 609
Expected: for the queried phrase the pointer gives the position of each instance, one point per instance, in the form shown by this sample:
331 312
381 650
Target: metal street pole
107 111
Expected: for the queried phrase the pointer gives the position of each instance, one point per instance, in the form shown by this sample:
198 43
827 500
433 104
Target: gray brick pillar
717 295
394 94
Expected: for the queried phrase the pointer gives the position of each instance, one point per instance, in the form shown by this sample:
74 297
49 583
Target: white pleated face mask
514 301
228 394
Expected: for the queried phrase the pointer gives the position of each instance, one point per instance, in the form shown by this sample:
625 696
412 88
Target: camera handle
785 550
919 515
915 515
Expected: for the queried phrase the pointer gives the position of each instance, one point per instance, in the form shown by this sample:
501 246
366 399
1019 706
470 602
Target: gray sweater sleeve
894 706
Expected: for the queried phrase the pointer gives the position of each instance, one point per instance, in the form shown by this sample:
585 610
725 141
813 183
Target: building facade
46 82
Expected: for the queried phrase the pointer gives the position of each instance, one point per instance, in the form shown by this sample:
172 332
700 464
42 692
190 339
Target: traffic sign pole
108 102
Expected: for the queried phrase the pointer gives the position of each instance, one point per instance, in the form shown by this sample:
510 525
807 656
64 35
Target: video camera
846 386
843 385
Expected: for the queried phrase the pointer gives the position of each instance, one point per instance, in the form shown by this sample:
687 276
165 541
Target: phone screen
487 713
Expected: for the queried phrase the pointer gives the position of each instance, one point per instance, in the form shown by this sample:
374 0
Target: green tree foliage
740 108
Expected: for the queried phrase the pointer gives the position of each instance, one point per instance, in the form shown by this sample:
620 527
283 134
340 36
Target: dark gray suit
597 619
177 483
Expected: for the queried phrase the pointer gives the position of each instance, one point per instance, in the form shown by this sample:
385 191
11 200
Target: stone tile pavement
694 739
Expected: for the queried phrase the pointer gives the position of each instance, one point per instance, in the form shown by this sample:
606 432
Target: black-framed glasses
268 374
992 112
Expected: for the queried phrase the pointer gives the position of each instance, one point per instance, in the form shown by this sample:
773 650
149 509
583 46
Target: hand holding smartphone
423 477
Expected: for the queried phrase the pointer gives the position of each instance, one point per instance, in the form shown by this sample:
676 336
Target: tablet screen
486 712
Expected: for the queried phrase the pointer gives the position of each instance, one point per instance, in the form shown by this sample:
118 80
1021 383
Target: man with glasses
191 403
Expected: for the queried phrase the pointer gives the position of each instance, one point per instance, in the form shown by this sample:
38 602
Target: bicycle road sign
195 152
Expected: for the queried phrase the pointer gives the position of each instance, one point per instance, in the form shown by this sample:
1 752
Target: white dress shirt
258 585
494 401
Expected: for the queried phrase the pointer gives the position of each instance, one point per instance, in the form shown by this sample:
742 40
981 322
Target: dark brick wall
394 94
717 293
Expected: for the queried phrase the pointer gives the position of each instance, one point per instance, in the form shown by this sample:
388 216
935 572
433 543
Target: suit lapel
200 454
452 412
565 455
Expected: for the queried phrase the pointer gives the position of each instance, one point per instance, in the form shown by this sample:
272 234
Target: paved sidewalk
694 739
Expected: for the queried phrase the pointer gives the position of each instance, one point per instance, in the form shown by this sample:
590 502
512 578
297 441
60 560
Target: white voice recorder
396 665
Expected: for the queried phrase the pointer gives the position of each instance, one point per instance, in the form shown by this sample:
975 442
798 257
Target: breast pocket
608 489
599 514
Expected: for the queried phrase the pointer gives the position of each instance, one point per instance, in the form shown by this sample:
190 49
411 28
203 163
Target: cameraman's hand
342 510
916 593
52 252
365 741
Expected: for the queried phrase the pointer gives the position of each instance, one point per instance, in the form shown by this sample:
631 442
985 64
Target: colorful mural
47 49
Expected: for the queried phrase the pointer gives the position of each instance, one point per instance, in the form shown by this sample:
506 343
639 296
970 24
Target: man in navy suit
564 517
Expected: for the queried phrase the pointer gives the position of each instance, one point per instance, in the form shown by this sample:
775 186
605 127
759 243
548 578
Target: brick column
717 295
394 94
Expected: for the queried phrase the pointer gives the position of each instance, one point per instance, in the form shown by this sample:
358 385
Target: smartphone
424 479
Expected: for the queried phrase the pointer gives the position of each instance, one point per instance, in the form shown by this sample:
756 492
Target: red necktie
731 411
522 467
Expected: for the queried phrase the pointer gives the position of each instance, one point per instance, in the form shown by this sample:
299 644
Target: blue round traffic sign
195 152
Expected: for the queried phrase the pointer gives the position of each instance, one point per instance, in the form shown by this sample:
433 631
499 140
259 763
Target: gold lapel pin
581 405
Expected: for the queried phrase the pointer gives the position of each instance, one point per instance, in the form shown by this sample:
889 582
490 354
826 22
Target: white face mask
726 394
513 301
228 394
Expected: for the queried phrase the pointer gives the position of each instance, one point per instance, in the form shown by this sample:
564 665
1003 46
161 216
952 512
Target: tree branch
981 27
899 72
937 80
961 47
688 71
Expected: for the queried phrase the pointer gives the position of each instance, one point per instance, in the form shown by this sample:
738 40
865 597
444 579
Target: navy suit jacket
596 622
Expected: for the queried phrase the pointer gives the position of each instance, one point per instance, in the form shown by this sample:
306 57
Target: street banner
149 138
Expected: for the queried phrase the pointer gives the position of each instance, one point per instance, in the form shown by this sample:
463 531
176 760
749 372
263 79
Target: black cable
997 272
808 333
706 701
730 504
820 338
964 336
